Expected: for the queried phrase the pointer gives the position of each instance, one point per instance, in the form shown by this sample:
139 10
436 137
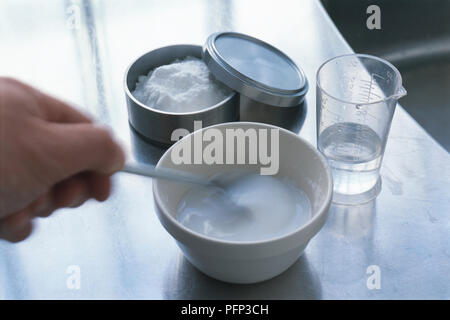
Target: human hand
51 156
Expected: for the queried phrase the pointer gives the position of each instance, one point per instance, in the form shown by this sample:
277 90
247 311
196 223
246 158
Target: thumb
80 147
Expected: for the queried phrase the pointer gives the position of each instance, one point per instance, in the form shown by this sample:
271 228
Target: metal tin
158 125
255 69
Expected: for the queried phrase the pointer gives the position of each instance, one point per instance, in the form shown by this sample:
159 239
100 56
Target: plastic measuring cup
356 99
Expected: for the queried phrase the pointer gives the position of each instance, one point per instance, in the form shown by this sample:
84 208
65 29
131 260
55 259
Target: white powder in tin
182 86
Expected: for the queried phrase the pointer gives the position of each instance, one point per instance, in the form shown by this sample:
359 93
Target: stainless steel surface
417 42
255 69
158 125
119 247
148 170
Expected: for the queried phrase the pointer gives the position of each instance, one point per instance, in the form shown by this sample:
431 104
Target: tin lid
255 69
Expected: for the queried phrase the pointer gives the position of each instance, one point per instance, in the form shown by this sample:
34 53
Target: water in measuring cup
354 152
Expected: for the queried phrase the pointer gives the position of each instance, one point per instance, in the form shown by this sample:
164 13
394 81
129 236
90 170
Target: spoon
166 173
181 176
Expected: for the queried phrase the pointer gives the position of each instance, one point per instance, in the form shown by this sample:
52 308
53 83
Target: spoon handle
164 173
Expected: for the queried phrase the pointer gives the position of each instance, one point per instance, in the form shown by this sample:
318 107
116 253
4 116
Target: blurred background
415 37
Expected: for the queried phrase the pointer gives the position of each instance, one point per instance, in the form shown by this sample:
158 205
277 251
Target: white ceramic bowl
248 262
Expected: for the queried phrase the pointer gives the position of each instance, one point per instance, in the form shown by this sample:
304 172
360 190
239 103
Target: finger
99 186
43 206
54 110
16 227
72 192
75 148
51 109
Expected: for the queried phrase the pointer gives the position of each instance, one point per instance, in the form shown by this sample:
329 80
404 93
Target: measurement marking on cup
368 85
366 94
370 88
